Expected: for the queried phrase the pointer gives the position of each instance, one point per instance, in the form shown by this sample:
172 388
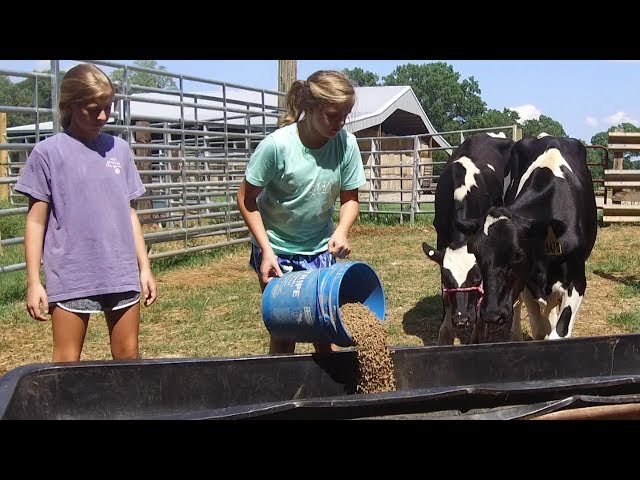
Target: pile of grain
376 373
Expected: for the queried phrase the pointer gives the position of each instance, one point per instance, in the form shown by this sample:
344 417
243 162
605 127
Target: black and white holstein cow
536 245
474 179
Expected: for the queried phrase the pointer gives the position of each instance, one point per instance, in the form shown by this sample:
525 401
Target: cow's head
461 282
505 246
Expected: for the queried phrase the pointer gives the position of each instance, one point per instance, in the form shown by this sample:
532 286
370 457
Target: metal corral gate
191 150
192 144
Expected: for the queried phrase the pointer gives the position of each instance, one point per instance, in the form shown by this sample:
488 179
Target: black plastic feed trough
487 381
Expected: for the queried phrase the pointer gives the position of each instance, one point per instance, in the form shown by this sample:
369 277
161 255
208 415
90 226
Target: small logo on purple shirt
115 164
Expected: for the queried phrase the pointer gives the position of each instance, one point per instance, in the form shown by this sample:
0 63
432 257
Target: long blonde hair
82 84
321 88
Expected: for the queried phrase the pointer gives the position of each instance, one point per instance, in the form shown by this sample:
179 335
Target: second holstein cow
474 179
536 245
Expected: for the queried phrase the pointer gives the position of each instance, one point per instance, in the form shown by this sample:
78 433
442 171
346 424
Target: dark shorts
99 303
292 263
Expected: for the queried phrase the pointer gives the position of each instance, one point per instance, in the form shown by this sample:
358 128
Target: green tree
362 78
21 94
146 79
448 102
6 91
595 156
494 118
602 138
534 127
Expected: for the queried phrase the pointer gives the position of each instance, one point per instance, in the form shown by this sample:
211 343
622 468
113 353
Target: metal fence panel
191 145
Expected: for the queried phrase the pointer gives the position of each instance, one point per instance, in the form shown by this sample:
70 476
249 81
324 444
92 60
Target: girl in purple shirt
82 225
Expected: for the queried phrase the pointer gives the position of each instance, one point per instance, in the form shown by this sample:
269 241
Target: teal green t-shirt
301 186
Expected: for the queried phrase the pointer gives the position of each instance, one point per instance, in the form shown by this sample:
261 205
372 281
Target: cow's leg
560 310
477 333
540 327
516 326
571 301
445 335
551 313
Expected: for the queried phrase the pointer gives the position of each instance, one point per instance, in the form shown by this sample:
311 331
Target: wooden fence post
4 157
287 74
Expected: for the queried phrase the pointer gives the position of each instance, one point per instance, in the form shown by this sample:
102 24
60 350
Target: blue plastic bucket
304 306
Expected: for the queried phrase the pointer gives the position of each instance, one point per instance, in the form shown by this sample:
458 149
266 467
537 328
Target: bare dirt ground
215 310
600 297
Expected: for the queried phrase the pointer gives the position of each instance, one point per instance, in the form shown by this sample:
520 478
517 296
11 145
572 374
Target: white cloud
42 65
591 121
620 117
527 112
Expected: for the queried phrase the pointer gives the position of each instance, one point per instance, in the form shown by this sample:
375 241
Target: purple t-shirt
89 247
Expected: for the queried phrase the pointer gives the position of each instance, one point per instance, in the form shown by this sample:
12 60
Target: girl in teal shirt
293 180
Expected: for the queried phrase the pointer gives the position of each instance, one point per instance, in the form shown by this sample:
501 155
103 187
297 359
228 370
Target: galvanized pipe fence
192 144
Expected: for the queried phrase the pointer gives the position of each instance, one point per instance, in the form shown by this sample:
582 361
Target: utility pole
287 74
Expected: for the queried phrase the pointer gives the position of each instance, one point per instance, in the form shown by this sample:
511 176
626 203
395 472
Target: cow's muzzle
475 288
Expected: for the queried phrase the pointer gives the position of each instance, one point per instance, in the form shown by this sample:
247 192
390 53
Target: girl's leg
124 329
325 347
69 330
277 345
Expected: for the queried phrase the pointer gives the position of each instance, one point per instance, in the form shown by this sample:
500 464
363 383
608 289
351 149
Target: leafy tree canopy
452 103
146 79
602 138
21 94
494 118
449 102
544 124
362 78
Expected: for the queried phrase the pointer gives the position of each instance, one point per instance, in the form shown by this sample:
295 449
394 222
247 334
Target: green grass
630 290
209 302
630 321
194 259
12 284
383 218
11 225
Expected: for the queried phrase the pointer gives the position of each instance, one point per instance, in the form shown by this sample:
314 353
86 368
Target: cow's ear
433 254
532 228
469 226
558 227
540 228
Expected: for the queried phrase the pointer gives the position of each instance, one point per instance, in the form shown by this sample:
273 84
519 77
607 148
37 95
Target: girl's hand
269 268
37 297
149 289
339 245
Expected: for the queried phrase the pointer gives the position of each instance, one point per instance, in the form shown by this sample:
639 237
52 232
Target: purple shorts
292 263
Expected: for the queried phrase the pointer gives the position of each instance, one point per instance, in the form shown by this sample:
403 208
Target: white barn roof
395 108
376 105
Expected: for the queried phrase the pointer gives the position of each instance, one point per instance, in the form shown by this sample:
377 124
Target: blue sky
585 96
